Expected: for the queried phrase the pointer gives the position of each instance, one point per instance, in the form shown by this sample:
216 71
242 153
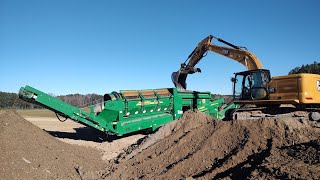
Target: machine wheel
229 115
314 116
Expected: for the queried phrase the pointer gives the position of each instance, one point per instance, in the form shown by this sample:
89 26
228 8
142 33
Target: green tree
7 99
313 68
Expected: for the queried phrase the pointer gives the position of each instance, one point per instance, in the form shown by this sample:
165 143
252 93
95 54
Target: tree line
313 68
80 100
11 100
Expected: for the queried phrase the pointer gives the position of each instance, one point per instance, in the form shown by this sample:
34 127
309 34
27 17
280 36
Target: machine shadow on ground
91 134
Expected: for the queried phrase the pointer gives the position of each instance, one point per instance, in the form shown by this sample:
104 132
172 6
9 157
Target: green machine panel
130 110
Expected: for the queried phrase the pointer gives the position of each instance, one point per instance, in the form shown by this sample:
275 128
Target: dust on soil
28 152
197 146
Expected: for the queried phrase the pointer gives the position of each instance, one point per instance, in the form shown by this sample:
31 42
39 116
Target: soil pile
28 152
183 125
197 146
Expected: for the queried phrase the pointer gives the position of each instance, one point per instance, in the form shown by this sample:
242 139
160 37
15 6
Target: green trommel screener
131 110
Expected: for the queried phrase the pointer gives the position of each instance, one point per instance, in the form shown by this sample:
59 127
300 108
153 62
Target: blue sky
99 46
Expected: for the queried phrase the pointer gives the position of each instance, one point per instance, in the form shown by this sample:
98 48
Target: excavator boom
239 54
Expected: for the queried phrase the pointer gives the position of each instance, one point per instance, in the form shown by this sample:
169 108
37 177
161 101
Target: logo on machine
318 85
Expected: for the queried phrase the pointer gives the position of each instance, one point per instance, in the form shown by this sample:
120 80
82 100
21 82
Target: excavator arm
239 54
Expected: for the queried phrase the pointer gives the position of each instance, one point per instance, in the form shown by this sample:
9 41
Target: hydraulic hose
61 120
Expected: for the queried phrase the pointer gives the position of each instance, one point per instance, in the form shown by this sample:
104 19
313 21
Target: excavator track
285 111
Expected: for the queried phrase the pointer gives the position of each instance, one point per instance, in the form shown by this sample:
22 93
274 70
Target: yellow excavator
256 87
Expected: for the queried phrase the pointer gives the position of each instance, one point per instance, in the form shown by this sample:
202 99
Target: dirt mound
197 146
183 125
28 152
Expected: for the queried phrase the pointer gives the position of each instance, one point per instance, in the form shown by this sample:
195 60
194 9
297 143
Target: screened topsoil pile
28 152
197 146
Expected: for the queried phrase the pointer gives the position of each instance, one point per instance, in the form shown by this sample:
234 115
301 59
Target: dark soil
197 146
193 147
28 152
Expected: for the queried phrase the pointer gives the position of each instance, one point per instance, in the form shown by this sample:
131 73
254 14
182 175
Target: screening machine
131 110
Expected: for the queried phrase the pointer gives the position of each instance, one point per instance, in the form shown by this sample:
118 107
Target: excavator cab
251 85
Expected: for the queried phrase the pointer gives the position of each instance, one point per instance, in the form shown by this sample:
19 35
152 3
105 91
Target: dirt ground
199 147
193 147
33 152
27 152
77 134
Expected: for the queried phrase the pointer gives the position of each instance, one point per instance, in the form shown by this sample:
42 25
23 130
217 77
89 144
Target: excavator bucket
179 80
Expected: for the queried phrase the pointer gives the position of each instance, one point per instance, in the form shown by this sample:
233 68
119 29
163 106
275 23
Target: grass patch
36 113
40 112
